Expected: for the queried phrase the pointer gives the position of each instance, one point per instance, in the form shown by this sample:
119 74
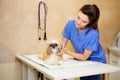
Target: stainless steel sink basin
115 51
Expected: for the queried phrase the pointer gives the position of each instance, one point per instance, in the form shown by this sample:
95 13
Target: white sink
115 51
66 64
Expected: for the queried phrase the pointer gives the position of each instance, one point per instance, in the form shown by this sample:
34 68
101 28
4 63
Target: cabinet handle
114 61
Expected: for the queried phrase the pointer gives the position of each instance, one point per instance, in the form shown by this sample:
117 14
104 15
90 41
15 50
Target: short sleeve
93 43
66 31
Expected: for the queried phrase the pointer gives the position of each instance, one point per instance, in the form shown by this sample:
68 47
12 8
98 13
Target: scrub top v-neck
81 41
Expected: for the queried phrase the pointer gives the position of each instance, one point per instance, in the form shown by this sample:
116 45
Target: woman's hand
63 51
60 53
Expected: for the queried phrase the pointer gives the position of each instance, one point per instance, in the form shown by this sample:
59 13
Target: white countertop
69 71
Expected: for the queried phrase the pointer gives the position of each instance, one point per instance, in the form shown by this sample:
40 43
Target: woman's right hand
63 51
60 53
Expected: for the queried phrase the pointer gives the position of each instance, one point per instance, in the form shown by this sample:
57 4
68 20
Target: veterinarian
84 36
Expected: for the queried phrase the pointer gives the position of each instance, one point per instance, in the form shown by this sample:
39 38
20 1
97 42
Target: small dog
53 48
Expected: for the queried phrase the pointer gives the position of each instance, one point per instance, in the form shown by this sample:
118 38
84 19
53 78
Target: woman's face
81 20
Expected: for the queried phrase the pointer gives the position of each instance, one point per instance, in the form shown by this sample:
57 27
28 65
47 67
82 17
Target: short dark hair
93 13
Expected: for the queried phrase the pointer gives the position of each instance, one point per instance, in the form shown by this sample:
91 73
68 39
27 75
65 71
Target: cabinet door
114 60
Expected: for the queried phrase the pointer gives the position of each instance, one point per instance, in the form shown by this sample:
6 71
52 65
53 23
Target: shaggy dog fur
51 57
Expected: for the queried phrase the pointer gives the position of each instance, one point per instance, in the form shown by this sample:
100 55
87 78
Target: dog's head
55 46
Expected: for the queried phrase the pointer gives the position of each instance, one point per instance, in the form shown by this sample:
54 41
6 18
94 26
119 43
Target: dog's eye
51 45
56 44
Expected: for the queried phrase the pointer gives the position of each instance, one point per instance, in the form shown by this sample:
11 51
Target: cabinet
114 59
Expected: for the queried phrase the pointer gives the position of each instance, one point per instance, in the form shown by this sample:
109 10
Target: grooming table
70 68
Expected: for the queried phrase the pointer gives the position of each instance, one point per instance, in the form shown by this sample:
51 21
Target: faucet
39 20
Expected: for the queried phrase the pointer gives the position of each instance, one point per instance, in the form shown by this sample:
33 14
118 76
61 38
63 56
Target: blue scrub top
83 41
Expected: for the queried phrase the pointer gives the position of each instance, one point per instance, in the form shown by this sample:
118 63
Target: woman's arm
78 56
64 42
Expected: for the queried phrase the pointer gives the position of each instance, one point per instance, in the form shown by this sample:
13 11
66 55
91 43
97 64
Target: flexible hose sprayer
39 20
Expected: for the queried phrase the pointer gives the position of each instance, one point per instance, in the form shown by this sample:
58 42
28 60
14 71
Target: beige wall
18 28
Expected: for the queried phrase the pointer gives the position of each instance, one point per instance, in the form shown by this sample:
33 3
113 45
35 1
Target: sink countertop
69 71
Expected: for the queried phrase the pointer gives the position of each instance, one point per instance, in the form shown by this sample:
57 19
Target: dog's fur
51 57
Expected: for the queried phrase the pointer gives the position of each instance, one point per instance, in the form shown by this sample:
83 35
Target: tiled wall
19 23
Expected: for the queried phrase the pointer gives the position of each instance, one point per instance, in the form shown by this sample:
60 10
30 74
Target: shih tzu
50 56
53 59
